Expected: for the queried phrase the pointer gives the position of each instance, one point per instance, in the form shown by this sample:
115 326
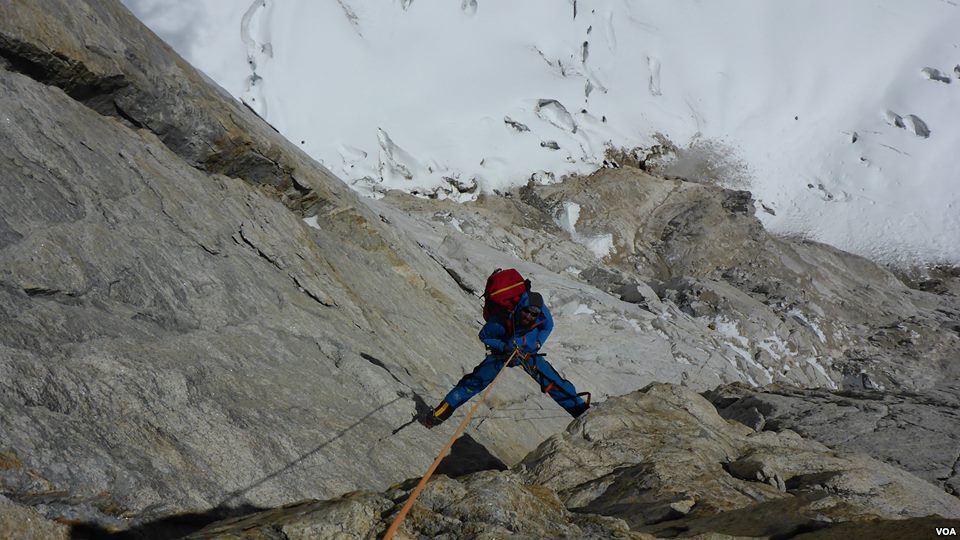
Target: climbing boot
576 411
437 416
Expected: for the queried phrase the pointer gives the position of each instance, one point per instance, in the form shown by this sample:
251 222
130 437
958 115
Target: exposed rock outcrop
173 335
918 431
777 309
658 462
196 317
24 523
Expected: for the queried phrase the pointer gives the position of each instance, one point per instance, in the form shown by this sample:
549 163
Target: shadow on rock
468 456
180 525
305 456
162 529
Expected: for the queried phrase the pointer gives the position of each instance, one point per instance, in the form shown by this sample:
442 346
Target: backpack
502 293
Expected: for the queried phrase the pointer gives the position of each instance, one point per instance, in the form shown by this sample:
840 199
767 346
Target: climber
517 320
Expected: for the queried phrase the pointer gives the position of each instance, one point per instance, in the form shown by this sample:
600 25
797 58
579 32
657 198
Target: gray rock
24 523
176 337
827 308
101 56
919 432
776 309
659 461
632 454
173 336
752 418
482 505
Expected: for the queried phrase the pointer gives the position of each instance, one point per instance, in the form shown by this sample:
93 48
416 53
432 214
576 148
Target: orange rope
443 453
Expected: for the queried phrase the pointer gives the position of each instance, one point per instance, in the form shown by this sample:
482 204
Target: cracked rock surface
174 335
659 462
195 317
723 291
918 431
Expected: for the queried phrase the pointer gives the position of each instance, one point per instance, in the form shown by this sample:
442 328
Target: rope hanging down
443 453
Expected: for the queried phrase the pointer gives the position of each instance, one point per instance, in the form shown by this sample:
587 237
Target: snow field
846 115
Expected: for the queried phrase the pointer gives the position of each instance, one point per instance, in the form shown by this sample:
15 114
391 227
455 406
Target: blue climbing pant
561 390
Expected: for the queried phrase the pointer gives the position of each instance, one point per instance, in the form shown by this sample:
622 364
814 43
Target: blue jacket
495 333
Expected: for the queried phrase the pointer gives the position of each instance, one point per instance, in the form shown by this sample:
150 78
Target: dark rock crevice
325 302
457 278
464 286
55 69
241 239
420 405
887 426
244 239
117 96
56 294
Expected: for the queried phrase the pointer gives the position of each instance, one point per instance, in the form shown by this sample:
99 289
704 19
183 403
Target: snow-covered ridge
847 114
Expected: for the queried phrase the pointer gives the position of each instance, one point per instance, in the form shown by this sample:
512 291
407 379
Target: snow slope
845 115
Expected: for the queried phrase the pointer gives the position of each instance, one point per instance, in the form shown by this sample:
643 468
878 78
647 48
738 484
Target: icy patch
653 84
910 122
312 222
749 362
815 364
740 345
775 347
583 310
569 217
730 330
802 319
600 245
395 162
350 156
893 119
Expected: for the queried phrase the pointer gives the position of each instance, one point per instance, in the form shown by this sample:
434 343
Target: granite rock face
25 523
695 255
482 505
173 334
917 431
664 459
197 317
783 302
659 462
